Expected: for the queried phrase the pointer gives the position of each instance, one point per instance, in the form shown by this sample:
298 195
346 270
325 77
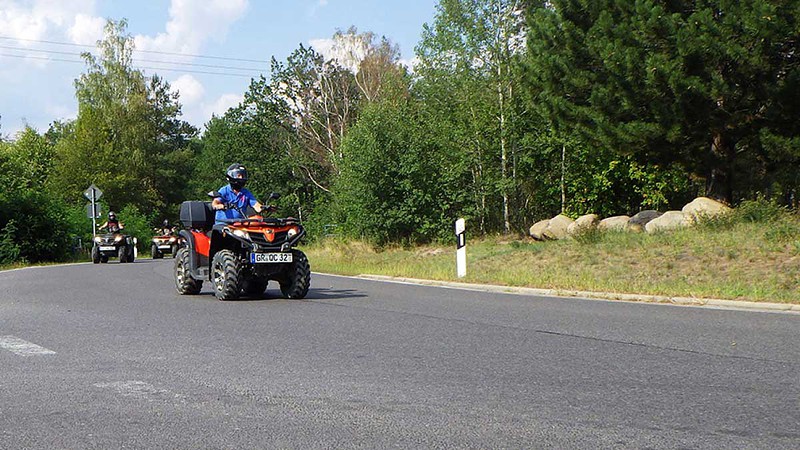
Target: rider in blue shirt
234 192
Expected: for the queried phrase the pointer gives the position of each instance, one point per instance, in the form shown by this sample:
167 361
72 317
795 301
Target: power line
56 52
45 58
42 41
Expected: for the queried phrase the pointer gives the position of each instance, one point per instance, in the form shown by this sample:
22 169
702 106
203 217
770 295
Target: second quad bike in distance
240 256
113 244
164 244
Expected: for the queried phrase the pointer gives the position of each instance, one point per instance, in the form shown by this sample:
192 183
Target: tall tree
687 82
128 138
323 95
322 98
472 47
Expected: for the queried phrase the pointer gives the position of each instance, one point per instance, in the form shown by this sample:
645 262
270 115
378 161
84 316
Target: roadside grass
22 264
731 257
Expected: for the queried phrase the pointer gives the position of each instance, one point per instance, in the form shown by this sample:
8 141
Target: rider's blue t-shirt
243 199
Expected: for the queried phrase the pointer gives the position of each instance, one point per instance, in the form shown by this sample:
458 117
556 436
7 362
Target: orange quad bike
164 243
240 256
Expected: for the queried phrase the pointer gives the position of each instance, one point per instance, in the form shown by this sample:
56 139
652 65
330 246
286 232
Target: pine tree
695 83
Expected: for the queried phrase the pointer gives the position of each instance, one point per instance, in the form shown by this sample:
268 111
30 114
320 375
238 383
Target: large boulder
583 223
705 207
640 219
670 220
537 230
557 228
615 223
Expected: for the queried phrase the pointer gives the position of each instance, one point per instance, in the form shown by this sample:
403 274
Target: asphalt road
109 356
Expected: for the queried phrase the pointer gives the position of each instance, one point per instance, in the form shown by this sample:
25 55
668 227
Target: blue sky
36 89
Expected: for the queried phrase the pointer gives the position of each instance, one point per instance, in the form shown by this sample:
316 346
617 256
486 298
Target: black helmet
236 175
112 216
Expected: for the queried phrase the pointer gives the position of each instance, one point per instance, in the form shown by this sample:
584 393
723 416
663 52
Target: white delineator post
461 249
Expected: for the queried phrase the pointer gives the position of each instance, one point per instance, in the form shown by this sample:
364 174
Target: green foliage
32 221
589 235
778 220
252 134
9 248
467 82
127 138
617 106
760 211
392 188
692 83
137 224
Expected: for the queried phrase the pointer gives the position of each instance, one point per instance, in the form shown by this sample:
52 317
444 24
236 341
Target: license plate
164 247
257 258
107 249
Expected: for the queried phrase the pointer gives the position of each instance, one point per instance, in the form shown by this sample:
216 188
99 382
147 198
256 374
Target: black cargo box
197 215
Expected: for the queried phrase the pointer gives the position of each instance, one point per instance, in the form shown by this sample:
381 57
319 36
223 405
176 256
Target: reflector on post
461 248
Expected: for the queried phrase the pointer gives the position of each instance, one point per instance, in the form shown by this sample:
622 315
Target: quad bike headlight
98 239
118 238
241 234
172 239
292 232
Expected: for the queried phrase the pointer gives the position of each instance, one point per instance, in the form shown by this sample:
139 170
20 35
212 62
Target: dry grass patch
743 261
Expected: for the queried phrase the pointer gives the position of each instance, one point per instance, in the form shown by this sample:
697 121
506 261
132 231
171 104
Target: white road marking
138 389
23 347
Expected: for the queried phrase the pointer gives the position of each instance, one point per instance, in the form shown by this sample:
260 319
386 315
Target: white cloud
33 19
199 110
190 90
410 64
192 22
323 46
86 29
348 50
61 112
223 103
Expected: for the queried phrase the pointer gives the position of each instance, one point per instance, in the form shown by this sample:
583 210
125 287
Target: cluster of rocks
649 221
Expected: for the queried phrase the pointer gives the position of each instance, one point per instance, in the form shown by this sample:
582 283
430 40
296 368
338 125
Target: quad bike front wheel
155 252
297 278
123 254
174 250
226 270
95 255
184 283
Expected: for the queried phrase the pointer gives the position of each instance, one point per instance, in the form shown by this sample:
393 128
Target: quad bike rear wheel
156 252
184 283
122 252
226 270
132 253
297 278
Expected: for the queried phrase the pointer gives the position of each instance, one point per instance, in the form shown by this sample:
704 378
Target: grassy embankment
752 254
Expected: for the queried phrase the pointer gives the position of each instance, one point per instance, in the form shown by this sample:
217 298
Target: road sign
93 210
93 190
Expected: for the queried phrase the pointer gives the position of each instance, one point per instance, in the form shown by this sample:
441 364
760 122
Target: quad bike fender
197 243
221 239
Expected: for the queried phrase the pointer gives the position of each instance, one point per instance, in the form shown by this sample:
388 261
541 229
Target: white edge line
22 347
733 305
